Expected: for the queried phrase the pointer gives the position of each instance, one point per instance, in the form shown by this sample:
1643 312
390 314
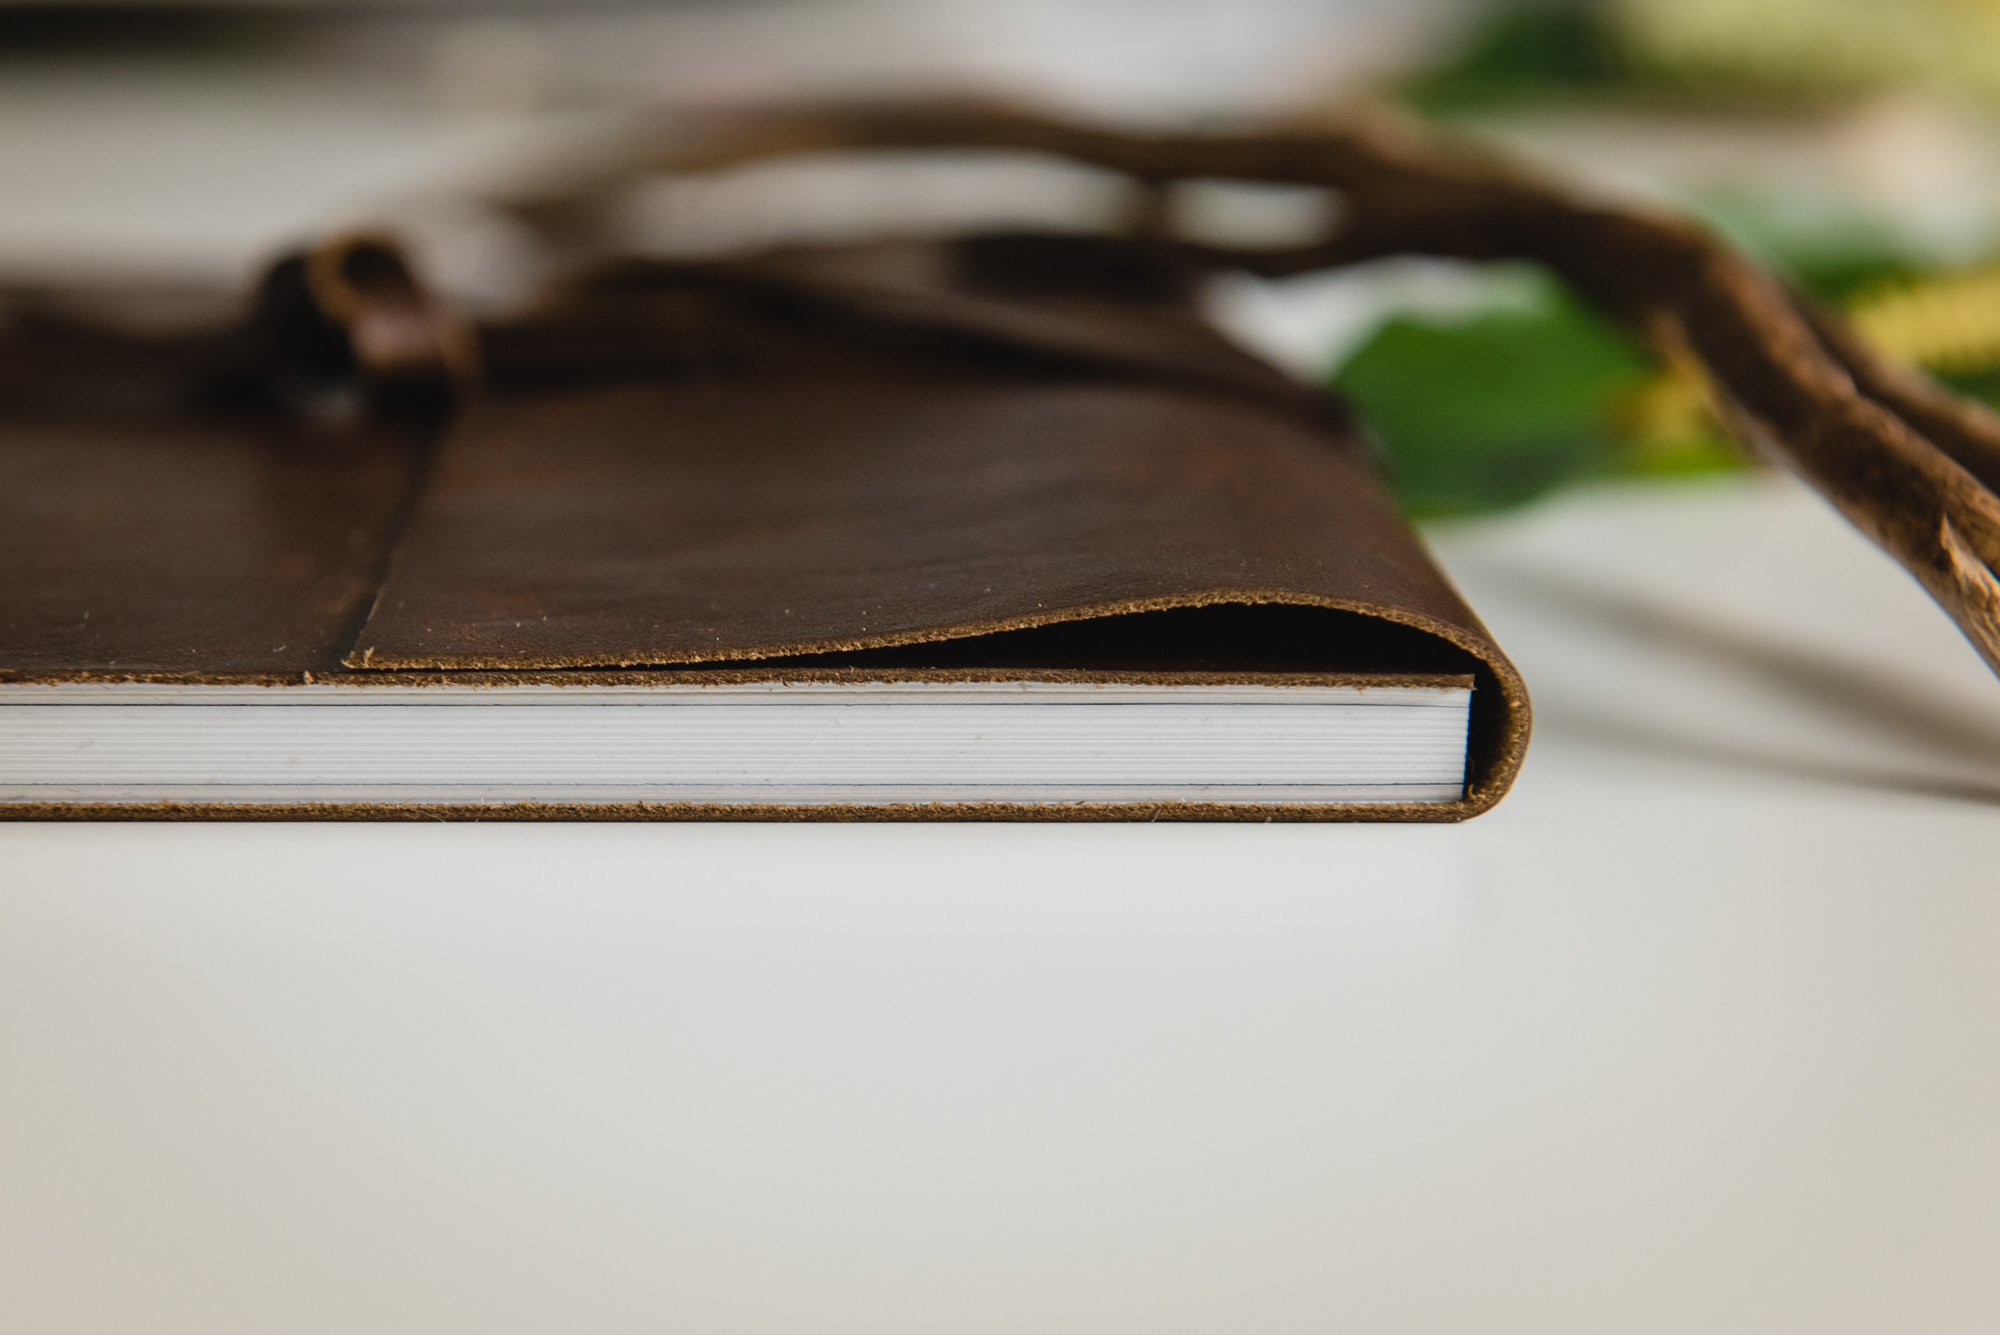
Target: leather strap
1915 468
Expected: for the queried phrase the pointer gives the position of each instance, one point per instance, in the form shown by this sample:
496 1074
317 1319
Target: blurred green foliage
1525 52
1494 409
1714 52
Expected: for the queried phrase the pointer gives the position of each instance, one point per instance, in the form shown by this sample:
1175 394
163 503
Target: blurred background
1851 144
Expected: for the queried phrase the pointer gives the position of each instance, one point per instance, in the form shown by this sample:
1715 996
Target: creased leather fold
859 450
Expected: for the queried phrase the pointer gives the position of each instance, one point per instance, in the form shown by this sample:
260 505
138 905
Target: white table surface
1696 1032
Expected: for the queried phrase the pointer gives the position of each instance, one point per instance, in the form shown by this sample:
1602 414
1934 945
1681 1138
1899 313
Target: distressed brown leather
906 446
1014 456
800 514
191 548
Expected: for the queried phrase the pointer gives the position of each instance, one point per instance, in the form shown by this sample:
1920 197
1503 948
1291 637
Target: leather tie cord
1914 467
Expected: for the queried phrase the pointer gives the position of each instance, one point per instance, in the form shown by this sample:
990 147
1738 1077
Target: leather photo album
988 527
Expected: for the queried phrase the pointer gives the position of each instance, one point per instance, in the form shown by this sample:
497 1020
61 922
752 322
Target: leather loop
397 330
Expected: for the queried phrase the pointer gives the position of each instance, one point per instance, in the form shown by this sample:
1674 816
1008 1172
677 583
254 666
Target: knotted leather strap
398 331
1913 467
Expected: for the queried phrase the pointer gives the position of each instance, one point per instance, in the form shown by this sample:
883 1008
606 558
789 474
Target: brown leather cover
189 549
653 524
890 462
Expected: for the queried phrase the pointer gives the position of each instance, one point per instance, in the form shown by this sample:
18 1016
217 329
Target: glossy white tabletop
1696 1031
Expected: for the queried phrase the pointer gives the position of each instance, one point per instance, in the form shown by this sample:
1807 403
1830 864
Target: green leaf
1494 410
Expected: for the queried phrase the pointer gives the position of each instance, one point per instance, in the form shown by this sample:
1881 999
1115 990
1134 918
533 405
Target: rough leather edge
750 674
1493 755
1289 813
372 661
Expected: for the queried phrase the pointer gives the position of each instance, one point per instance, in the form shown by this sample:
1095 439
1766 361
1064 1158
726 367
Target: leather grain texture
648 524
191 547
1009 457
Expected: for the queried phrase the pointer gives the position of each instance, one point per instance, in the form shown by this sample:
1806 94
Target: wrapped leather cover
877 464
